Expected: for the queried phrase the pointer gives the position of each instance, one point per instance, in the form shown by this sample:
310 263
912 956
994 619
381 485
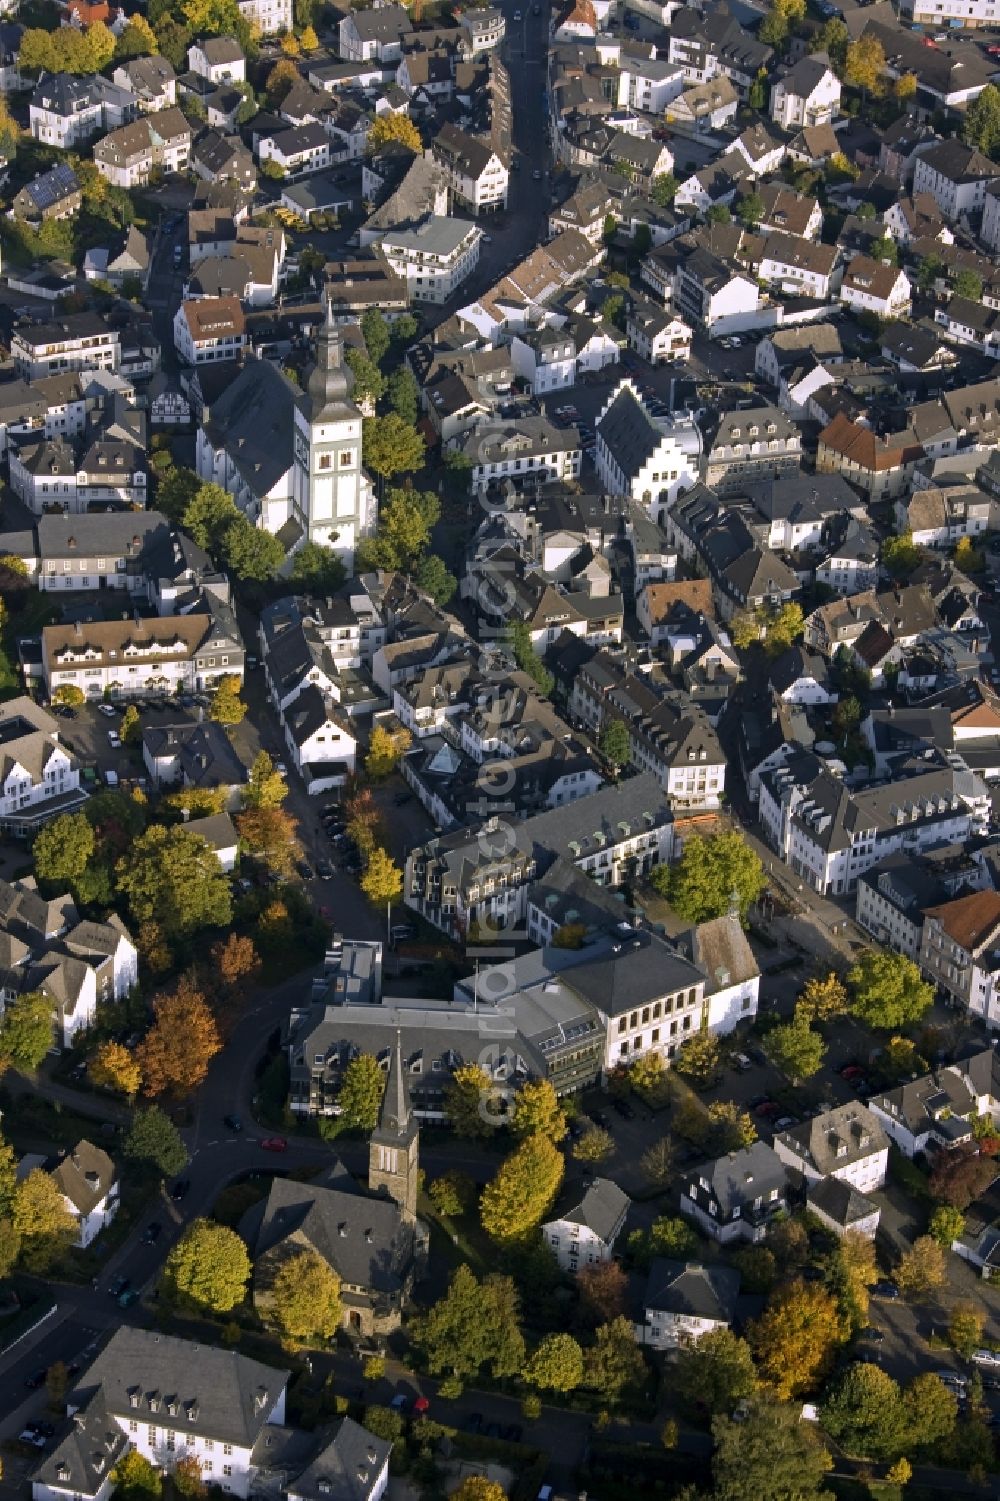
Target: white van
989 1359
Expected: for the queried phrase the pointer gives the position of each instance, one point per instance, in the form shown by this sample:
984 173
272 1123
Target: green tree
887 990
884 249
375 332
453 1194
673 1237
750 208
981 121
172 877
361 1091
967 283
250 552
523 1191
759 91
796 1049
227 707
823 998
432 576
404 394
42 1222
537 1111
901 556
304 1297
70 695
663 189
63 849
595 1145
864 1413
208 1269
475 1324
614 744
391 446
528 659
317 569
732 1128
712 868
265 788
130 728
369 382
208 515
614 1361
153 1138
719 213
176 488
930 1410
26 1033
556 1365
715 1372
138 39
136 1478
832 38
946 1225
768 1452
8 1177
965 1328
466 1100
404 530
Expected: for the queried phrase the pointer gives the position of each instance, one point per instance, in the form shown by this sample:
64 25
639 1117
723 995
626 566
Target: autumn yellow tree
518 1198
271 835
390 127
796 1337
115 1067
42 1222
175 1053
382 882
385 748
823 998
304 1297
364 822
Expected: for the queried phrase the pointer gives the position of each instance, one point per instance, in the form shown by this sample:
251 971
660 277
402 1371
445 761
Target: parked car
108 710
114 740
128 1297
988 1358
421 1406
35 1379
873 1336
886 1289
400 1402
152 1232
117 1286
180 1189
324 870
784 1122
274 1144
473 1422
233 1122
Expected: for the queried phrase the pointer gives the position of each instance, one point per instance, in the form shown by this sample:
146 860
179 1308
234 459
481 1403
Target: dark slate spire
330 381
396 1117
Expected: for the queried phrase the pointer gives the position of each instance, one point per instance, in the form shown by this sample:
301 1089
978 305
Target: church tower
394 1149
333 495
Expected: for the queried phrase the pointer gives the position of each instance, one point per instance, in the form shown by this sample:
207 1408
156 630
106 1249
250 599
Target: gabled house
88 1181
39 776
808 94
585 1223
960 953
846 1143
875 287
648 459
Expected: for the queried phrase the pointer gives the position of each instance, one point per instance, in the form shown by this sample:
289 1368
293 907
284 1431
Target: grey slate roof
741 1177
689 1289
219 1394
254 420
837 1138
83 1456
598 1206
840 1202
345 1468
629 432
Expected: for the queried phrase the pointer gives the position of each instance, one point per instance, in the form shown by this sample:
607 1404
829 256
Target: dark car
35 1380
512 1433
117 1286
233 1122
180 1189
403 797
886 1289
304 869
873 1336
324 870
152 1232
623 1108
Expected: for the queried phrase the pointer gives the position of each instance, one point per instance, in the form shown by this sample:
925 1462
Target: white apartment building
586 1223
75 341
219 59
683 1302
802 268
846 1143
297 151
477 176
271 16
209 329
957 177
122 658
39 777
48 477
808 94
434 257
953 15
66 110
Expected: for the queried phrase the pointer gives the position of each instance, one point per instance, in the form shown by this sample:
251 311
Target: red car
852 1071
421 1405
274 1144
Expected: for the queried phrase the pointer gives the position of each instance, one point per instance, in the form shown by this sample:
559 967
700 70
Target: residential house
720 950
956 176
846 1143
39 777
190 754
374 33
434 257
807 95
122 658
881 466
682 1301
476 172
797 267
960 953
209 329
738 1196
585 1223
747 447
88 1181
938 1109
151 79
66 110
160 141
74 341
875 287
218 59
658 336
55 194
709 294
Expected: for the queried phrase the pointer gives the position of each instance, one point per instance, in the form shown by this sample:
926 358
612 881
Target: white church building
291 458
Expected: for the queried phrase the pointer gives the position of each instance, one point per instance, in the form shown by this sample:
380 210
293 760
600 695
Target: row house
209 329
50 477
119 659
960 953
102 550
798 267
937 1110
476 172
156 142
880 466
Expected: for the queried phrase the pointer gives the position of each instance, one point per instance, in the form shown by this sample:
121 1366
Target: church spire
330 382
395 1116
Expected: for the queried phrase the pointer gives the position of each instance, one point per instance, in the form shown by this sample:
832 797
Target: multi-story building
66 110
76 341
846 1143
738 1196
477 173
648 459
871 286
683 1301
807 95
49 477
585 1223
748 447
151 79
957 176
209 329
102 550
374 33
218 59
160 141
434 257
530 449
39 777
960 953
831 835
271 17
709 294
297 151
120 659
